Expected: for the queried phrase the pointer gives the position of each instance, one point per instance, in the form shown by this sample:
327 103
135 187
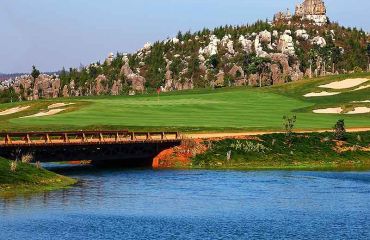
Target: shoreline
27 179
307 152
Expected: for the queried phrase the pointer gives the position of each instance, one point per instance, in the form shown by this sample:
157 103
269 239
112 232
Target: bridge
100 147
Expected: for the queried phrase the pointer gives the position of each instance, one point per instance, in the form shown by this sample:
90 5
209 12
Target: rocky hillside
261 54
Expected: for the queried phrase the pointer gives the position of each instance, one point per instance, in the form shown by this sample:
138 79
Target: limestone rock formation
286 45
302 34
320 41
313 10
101 85
137 82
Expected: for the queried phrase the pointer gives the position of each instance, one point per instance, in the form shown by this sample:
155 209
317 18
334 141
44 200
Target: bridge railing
75 137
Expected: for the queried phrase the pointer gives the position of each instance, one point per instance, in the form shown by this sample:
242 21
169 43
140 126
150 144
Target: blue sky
56 33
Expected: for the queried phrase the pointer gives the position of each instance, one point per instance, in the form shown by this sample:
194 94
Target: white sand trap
366 101
13 110
360 110
361 87
348 83
47 113
58 105
321 94
337 110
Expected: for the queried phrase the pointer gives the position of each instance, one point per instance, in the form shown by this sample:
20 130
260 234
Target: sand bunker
321 94
359 110
366 101
348 83
337 110
58 105
361 87
47 113
13 110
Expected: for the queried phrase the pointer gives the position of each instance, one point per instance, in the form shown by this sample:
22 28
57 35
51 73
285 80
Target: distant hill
260 54
6 76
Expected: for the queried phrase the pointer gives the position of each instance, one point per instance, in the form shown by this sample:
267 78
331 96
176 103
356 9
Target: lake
148 204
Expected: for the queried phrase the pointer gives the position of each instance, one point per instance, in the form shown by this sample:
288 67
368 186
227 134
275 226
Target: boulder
65 92
101 85
246 43
137 82
319 41
109 59
220 79
302 34
126 70
276 74
116 87
282 60
237 72
265 37
286 45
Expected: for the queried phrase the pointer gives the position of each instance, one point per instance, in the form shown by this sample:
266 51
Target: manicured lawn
27 178
313 151
229 109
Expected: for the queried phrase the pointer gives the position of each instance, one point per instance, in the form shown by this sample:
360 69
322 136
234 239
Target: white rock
175 40
211 49
147 46
275 33
286 45
201 58
246 43
230 47
302 33
258 48
265 36
319 41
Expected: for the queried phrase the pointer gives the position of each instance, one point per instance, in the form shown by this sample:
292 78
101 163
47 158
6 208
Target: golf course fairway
201 110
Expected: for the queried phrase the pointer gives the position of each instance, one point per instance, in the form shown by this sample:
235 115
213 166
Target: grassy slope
28 178
235 109
312 151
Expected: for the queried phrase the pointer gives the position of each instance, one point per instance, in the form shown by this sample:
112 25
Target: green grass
229 109
313 151
28 179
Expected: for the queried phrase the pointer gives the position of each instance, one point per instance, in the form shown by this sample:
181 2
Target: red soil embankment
180 156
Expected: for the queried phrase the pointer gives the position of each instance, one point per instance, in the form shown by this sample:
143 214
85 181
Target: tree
340 130
368 56
263 65
254 64
288 124
35 72
214 61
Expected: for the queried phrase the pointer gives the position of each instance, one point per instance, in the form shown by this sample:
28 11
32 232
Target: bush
13 166
27 158
248 147
357 69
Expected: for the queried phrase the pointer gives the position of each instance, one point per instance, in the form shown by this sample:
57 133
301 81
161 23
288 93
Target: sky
52 34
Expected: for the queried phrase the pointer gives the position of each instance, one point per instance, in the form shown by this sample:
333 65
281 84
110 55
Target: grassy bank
314 151
200 110
27 178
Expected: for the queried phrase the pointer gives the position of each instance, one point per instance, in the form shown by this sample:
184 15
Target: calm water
146 204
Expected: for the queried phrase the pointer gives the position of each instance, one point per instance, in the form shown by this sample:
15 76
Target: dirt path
255 133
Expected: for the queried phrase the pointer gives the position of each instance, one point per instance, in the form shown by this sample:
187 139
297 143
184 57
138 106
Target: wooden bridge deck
19 139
